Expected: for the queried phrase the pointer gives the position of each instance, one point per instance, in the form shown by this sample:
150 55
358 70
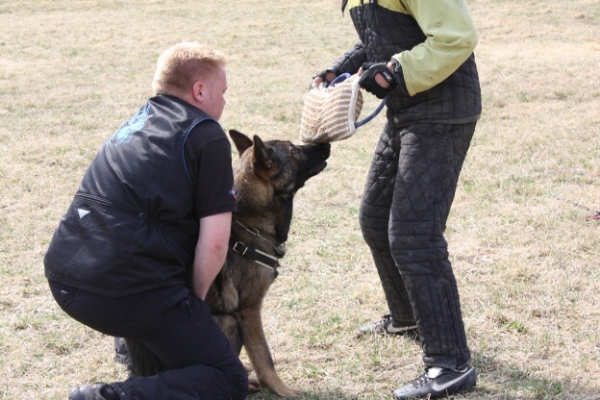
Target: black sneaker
386 325
99 391
439 382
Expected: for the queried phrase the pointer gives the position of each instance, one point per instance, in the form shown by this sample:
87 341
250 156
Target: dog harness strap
255 255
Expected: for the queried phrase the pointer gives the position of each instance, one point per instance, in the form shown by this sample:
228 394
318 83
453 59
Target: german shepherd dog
266 178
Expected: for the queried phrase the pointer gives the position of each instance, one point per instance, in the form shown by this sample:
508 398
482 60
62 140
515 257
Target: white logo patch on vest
82 213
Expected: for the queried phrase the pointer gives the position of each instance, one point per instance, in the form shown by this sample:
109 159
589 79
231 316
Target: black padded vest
131 226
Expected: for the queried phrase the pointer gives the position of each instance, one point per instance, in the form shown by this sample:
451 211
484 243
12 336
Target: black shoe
386 325
99 391
439 382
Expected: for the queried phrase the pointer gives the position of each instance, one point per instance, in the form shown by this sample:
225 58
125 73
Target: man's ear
198 92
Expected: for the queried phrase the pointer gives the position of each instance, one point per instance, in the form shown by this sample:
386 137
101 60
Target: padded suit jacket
131 226
430 44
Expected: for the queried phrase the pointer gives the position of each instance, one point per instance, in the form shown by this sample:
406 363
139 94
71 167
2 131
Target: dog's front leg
258 351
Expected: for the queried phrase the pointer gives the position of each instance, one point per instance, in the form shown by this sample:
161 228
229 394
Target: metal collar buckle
240 248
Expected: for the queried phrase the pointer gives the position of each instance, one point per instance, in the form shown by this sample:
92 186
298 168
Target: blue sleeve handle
340 78
358 124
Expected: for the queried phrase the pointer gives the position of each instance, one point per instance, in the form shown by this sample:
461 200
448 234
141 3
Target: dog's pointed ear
241 141
262 160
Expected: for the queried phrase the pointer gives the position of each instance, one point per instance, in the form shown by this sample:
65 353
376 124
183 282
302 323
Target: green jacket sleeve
451 39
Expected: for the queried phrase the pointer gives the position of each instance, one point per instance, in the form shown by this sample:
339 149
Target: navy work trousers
178 328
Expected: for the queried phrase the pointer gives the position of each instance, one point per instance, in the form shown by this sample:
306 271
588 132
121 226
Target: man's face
215 86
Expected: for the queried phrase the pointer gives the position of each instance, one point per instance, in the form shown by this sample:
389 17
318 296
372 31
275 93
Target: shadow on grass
496 381
332 395
501 380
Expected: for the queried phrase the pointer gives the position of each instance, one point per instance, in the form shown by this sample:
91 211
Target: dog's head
285 165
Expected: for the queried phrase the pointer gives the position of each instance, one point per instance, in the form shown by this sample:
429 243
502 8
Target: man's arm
349 62
451 38
211 251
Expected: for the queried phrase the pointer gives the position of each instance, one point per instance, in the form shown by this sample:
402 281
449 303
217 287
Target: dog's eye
295 150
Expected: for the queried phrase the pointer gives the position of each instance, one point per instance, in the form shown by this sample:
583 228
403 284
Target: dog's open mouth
318 169
315 169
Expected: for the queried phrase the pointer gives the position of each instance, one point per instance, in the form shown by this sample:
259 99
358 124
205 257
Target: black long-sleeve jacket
430 44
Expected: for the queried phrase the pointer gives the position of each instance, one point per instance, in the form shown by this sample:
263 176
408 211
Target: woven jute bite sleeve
329 113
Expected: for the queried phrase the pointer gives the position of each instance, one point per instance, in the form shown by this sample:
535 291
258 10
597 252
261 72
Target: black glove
323 75
367 80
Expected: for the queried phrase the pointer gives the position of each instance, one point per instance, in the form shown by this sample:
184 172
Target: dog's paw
289 391
248 367
254 385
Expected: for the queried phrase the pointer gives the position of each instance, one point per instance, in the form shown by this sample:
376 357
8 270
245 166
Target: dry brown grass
527 263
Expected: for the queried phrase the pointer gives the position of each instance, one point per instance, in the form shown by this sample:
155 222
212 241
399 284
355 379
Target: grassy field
526 259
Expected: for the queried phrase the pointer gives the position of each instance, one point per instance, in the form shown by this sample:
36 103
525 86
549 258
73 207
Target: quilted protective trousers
409 191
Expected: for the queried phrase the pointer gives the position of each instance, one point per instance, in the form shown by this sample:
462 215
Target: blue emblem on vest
136 123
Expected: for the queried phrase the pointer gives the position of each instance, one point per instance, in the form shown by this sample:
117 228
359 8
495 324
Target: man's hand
325 76
377 78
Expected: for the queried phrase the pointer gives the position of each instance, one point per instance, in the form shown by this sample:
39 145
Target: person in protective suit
418 53
153 208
